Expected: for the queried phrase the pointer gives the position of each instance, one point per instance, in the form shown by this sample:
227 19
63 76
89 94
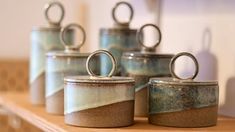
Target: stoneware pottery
44 39
99 101
143 65
182 102
117 39
60 64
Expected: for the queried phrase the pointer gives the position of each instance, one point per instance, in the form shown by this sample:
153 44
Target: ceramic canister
99 101
143 65
182 102
60 64
118 39
44 39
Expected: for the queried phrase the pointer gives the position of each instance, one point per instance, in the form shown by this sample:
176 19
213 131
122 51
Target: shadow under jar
181 102
142 66
99 101
60 64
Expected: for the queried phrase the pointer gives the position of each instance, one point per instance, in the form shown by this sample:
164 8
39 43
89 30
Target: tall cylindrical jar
99 101
44 39
60 64
183 102
117 40
143 65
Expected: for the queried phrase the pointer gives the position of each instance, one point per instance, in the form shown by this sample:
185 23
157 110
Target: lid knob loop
139 37
70 47
172 65
114 14
48 7
114 63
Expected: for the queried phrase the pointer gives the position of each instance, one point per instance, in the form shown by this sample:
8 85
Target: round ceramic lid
147 51
66 54
173 81
176 80
117 31
46 28
70 49
146 55
91 79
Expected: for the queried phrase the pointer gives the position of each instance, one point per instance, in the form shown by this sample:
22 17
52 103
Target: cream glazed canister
99 101
60 64
44 39
183 102
144 65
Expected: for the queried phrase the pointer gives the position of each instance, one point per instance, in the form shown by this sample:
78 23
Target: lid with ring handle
56 25
176 80
119 23
93 78
120 26
70 49
147 51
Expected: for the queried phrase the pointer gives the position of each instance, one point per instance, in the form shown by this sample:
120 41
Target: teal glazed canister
183 102
44 39
117 40
142 66
60 64
99 101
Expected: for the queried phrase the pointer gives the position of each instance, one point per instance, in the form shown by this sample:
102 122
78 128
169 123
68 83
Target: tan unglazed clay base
141 103
114 115
37 90
55 103
188 118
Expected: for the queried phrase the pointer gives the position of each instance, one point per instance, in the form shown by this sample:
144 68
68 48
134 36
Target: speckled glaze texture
171 98
188 104
141 69
116 41
42 41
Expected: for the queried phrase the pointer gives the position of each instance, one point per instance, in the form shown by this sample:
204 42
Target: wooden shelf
19 104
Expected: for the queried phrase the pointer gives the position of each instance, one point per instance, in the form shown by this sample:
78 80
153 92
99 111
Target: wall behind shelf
205 28
18 18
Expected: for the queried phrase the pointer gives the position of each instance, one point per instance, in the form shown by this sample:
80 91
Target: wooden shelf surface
19 104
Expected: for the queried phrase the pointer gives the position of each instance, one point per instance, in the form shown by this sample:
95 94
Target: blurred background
205 28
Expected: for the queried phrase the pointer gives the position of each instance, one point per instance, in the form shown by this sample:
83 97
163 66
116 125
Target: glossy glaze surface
142 66
42 41
116 41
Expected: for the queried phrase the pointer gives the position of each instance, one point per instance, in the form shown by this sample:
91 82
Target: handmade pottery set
134 80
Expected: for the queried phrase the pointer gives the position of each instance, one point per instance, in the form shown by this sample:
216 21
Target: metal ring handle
114 63
172 65
48 6
62 37
139 35
131 11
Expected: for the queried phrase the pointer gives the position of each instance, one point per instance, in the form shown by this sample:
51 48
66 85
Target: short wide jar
96 101
182 102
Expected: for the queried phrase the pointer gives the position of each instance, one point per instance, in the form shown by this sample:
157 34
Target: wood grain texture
19 104
9 122
14 75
